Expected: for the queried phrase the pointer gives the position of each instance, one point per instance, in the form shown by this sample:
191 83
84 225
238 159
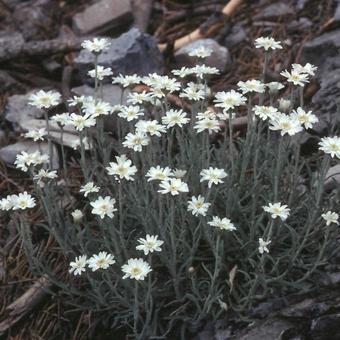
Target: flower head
198 206
307 119
277 210
104 206
77 215
222 223
97 45
252 85
330 217
267 43
78 265
331 146
201 52
158 173
285 124
213 176
89 188
100 72
101 261
45 99
22 201
136 269
263 246
295 77
212 125
175 117
173 186
36 134
122 168
149 244
229 100
136 141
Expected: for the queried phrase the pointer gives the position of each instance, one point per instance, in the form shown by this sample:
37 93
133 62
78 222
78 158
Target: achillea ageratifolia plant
180 219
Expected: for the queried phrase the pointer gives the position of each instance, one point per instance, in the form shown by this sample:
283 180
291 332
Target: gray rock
102 16
36 19
132 52
236 36
18 111
301 24
332 179
7 82
11 43
326 100
273 11
322 47
3 138
111 93
220 57
9 152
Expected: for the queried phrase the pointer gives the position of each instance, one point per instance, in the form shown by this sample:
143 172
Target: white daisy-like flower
179 173
6 204
229 100
97 45
44 175
222 223
252 85
212 125
101 261
265 112
201 52
149 244
174 186
151 127
96 109
308 68
139 97
77 215
80 122
263 245
274 87
207 114
76 100
61 119
295 77
78 265
130 112
193 93
331 146
307 119
164 83
213 176
158 173
89 188
175 117
267 43
277 210
330 217
36 134
44 99
136 141
202 70
182 72
285 124
24 160
104 206
127 80
23 201
136 269
122 168
101 72
198 206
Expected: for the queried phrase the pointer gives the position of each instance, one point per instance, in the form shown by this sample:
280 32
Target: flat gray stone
102 16
274 11
132 52
220 57
11 43
18 111
8 153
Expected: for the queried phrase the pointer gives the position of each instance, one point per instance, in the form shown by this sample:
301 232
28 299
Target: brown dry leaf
232 275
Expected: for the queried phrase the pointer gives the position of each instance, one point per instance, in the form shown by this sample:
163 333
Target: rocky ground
39 48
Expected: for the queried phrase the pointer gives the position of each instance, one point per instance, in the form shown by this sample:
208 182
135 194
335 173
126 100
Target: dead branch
41 48
25 303
207 29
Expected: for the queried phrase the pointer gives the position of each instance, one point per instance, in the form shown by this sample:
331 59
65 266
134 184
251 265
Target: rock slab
220 57
102 16
132 52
